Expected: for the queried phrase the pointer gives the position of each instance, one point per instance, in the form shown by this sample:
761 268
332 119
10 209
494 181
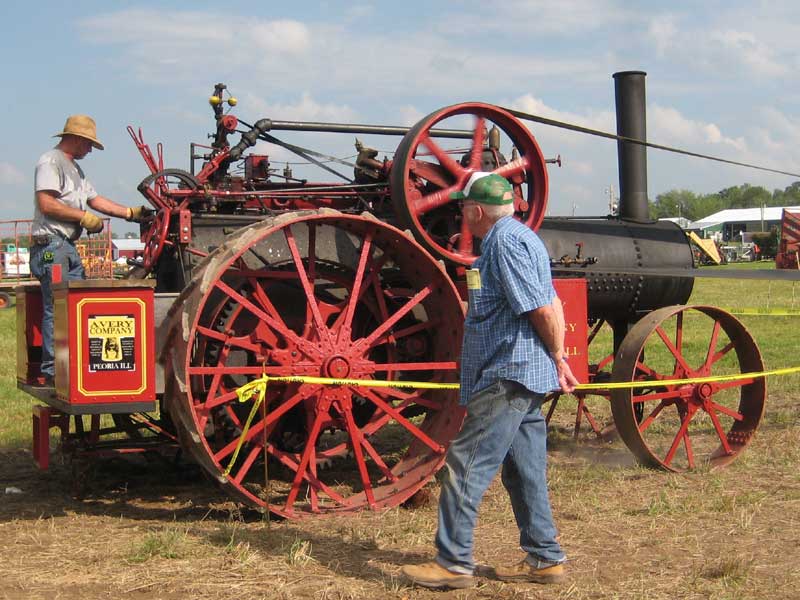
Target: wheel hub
337 367
702 393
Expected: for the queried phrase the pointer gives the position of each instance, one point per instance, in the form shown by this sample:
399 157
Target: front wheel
681 426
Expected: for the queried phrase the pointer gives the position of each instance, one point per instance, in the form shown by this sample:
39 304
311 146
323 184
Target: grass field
145 530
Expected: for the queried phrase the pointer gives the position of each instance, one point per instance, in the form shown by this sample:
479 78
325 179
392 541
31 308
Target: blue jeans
504 426
57 252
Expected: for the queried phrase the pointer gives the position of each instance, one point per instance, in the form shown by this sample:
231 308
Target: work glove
91 222
137 214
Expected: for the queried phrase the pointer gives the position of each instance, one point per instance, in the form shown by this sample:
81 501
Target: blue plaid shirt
513 278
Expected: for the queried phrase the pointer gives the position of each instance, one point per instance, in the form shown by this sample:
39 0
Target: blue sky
722 79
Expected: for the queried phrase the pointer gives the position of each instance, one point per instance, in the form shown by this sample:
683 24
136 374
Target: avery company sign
112 343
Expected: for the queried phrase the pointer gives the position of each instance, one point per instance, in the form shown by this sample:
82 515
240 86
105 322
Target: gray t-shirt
57 173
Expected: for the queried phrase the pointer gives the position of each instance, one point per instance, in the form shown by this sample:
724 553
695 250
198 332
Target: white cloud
668 126
750 51
566 17
410 115
304 109
10 175
289 37
662 32
315 56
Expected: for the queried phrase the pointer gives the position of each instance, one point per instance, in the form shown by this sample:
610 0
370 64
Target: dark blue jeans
57 252
504 426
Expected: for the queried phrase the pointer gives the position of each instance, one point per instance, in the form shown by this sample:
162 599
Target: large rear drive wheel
318 294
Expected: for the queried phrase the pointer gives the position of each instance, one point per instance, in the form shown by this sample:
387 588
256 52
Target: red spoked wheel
426 170
681 426
329 295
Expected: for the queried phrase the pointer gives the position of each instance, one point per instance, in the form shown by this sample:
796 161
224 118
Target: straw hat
83 126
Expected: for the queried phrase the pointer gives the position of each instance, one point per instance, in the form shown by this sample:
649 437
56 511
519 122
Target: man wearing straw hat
62 196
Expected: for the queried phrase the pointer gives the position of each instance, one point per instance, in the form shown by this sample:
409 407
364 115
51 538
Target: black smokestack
629 91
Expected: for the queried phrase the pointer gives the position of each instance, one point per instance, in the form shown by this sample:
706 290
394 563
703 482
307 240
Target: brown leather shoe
523 571
433 575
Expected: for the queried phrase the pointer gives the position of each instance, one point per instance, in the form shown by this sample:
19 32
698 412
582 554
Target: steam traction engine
260 271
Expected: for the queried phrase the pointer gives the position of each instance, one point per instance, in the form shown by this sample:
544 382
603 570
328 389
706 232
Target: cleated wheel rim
426 170
685 426
330 295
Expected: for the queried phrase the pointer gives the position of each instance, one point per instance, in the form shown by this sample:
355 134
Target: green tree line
692 206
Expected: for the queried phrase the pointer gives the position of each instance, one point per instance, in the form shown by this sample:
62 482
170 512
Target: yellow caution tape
661 382
258 388
772 312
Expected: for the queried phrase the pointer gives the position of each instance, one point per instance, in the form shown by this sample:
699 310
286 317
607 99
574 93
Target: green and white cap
486 188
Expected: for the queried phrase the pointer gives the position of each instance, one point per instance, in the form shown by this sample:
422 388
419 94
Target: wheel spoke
674 393
356 442
371 277
477 144
257 427
260 294
245 303
595 330
721 354
685 419
395 414
304 461
712 344
728 411
441 155
515 167
673 350
387 473
355 291
433 173
312 480
723 438
213 402
367 342
401 333
229 340
416 397
248 462
643 368
429 202
603 363
652 416
687 443
324 333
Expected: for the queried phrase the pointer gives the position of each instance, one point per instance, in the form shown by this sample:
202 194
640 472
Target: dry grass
629 533
150 530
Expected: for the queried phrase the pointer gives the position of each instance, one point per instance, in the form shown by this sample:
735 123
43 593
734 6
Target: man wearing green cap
512 355
62 194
